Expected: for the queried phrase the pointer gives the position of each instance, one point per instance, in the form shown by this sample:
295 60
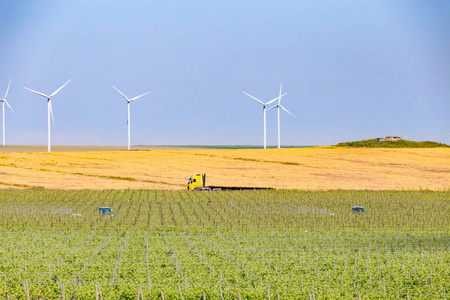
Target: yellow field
319 168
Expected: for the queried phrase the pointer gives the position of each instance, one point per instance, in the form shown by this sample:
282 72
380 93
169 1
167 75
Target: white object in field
278 106
128 115
49 108
264 110
3 101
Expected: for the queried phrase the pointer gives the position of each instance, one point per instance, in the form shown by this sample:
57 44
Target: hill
373 143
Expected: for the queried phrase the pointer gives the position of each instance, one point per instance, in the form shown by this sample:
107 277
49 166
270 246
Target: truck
197 182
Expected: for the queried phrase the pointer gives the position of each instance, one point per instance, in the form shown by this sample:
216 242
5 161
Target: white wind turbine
3 101
278 106
49 108
128 106
264 110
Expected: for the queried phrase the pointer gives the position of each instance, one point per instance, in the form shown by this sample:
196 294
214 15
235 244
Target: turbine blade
10 107
55 92
137 97
254 98
275 106
7 90
43 95
279 98
288 111
126 98
51 111
274 99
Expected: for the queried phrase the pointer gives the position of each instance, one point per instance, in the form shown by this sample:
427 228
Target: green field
290 243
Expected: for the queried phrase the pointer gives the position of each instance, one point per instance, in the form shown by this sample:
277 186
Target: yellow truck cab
196 181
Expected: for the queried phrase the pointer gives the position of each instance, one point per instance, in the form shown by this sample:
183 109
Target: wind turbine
128 106
278 106
264 110
49 108
3 101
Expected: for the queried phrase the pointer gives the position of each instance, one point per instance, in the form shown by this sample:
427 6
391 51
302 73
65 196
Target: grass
298 243
320 168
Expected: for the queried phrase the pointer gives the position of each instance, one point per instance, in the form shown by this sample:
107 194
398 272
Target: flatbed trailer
198 183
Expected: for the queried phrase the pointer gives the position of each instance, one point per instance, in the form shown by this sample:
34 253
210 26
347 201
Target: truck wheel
201 189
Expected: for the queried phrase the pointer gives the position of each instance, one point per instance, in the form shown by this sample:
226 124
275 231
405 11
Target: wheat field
319 168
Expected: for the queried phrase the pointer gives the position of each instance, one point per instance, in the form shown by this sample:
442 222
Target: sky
352 70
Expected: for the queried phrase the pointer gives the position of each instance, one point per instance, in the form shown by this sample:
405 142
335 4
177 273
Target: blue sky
352 70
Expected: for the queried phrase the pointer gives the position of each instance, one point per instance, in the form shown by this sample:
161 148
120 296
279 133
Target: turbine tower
3 101
128 106
264 111
49 108
278 106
